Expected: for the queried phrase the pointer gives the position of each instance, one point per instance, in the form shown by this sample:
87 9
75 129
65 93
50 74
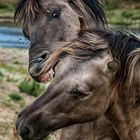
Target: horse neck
124 119
78 132
124 111
101 129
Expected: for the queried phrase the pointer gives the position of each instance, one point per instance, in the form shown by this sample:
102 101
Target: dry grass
11 98
13 2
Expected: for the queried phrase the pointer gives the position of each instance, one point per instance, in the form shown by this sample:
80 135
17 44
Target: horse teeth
47 76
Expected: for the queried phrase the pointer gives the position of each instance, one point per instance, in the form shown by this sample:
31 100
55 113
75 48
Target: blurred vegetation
123 13
7 8
15 96
16 73
31 87
17 89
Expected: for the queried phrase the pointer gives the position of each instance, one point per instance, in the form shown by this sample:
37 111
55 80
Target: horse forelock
25 8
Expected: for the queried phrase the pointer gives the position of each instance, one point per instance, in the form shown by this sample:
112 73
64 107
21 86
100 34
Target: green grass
12 100
13 73
15 96
13 68
31 87
6 10
4 7
7 102
1 75
124 17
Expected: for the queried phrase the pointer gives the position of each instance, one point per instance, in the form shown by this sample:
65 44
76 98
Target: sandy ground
9 108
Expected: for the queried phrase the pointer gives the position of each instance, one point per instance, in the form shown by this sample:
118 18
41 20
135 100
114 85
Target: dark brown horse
52 24
88 83
49 25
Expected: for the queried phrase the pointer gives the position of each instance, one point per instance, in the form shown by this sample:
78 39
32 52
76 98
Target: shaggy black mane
97 9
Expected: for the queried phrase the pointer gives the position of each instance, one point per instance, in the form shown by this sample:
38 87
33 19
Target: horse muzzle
35 68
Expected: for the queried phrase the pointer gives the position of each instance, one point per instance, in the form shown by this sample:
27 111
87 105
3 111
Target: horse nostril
40 59
44 55
35 65
25 132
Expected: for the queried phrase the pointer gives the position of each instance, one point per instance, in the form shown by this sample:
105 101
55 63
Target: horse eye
56 14
78 94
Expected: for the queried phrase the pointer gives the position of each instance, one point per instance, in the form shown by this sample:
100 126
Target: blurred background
17 89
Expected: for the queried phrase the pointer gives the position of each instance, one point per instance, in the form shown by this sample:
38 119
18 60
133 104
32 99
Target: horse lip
47 76
35 69
32 71
41 77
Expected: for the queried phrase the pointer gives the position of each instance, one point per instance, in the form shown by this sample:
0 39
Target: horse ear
113 66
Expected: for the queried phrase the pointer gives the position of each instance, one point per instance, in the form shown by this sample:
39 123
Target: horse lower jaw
46 77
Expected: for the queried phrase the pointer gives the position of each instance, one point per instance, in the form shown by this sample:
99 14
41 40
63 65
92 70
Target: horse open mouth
48 76
44 77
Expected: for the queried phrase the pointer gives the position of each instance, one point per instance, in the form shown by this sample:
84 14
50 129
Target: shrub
112 4
31 87
16 96
1 75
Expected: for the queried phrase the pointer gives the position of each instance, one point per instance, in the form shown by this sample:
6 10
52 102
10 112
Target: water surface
12 37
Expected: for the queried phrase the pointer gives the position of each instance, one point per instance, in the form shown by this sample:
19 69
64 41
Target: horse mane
31 7
82 48
124 47
25 8
97 10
